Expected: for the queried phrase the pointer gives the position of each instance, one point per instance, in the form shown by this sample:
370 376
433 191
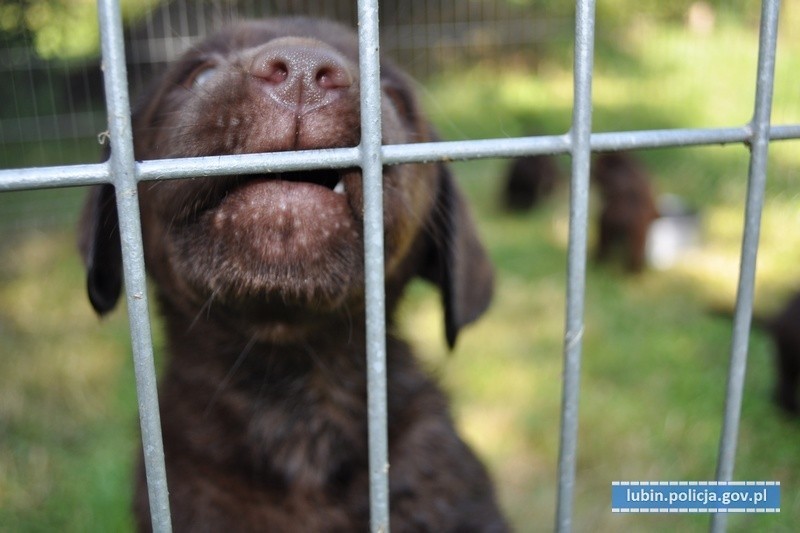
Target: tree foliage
58 28
69 28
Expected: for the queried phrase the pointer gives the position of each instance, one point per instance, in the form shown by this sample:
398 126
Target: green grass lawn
654 359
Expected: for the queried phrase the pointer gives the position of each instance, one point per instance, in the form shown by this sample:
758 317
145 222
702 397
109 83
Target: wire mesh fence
462 32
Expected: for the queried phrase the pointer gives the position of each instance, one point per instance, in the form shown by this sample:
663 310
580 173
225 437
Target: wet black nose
301 74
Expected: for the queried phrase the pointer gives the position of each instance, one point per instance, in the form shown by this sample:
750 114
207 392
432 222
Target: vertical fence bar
124 178
576 270
372 169
759 148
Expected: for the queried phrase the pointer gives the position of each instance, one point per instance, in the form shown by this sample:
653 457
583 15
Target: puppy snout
301 75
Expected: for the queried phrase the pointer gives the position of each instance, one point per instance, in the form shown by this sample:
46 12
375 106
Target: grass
654 360
67 415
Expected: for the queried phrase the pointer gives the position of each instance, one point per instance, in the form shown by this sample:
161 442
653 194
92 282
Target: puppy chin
283 333
286 323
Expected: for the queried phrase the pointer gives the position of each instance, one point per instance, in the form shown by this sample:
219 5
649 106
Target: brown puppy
785 331
529 180
260 283
628 208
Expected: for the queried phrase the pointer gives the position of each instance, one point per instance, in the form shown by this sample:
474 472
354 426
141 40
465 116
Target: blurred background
656 343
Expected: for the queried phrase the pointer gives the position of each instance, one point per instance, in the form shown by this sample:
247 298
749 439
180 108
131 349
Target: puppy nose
300 74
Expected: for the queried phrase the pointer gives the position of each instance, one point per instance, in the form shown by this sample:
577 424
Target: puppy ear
457 261
98 241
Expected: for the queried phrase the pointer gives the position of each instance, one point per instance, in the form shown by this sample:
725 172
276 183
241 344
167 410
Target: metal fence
579 142
57 102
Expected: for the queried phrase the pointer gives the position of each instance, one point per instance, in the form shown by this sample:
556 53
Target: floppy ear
98 231
457 261
98 240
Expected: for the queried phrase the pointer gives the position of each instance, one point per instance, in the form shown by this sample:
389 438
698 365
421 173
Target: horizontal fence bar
784 132
392 154
249 163
61 176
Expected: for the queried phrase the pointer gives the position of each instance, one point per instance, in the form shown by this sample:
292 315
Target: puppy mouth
304 195
295 236
329 178
321 186
339 181
290 215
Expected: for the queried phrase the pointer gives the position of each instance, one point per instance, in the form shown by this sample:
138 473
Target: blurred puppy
260 282
785 331
529 180
628 208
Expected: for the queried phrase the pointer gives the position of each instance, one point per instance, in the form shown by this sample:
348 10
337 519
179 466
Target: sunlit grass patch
67 415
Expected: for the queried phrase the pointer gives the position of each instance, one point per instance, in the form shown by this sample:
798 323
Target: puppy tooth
339 187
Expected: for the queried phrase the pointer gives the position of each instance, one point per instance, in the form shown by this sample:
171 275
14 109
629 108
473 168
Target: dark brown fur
785 331
628 208
260 285
530 180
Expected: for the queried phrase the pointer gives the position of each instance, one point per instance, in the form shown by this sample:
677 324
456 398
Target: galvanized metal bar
759 149
372 170
124 178
576 269
71 175
478 149
248 163
61 176
634 140
784 132
608 141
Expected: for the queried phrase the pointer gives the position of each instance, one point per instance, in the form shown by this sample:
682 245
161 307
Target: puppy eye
401 99
203 75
